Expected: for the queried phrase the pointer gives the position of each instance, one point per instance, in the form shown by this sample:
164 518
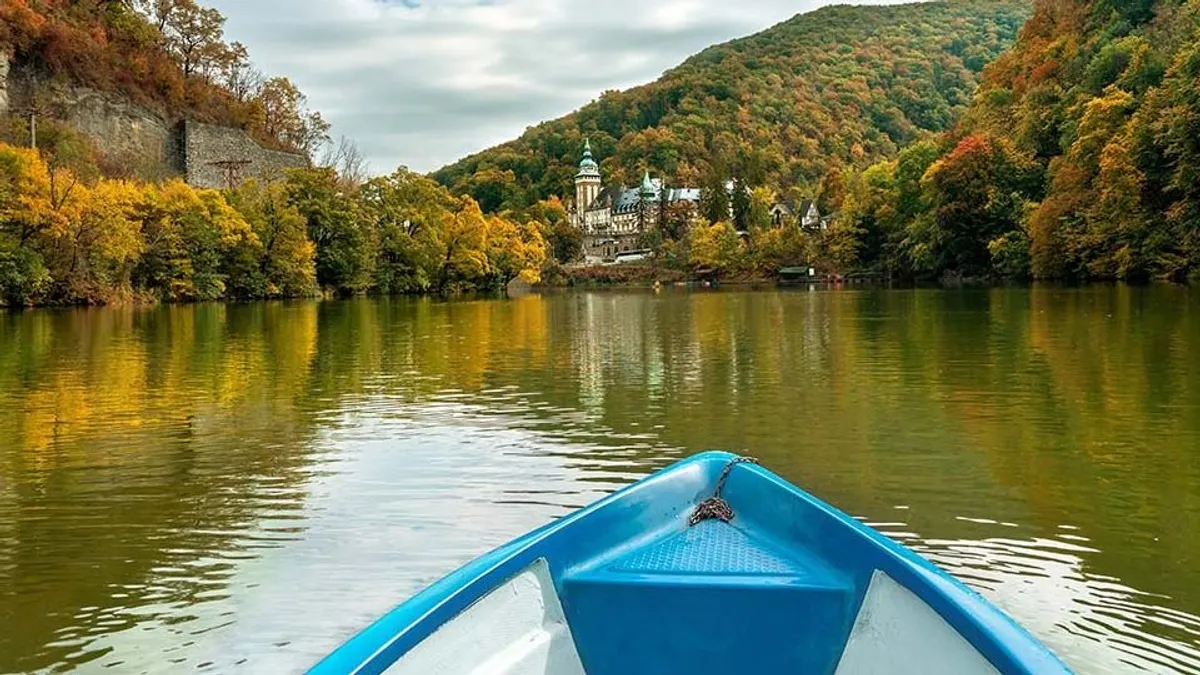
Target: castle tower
587 183
647 209
648 192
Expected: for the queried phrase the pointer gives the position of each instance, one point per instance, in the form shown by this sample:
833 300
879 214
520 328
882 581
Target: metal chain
715 507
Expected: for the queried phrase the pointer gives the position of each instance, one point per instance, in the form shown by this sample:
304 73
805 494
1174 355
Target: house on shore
806 214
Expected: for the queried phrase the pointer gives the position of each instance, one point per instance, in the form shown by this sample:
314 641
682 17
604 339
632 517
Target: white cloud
424 82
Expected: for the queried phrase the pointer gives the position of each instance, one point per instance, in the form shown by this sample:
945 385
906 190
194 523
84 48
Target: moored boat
713 565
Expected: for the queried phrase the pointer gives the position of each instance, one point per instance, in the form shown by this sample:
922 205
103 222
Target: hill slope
1078 159
839 85
1107 95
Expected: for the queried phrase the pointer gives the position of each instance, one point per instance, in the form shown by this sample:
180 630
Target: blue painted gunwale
616 521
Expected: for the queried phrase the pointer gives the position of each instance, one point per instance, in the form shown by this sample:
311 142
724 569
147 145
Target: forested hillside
839 86
1080 158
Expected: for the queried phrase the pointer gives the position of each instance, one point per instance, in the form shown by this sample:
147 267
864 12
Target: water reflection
239 487
1096 622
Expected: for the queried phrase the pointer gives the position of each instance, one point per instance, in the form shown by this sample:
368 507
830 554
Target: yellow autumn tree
782 247
95 244
464 238
715 249
515 250
192 237
25 213
24 193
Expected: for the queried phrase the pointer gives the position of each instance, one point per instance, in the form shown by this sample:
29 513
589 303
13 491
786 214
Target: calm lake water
237 488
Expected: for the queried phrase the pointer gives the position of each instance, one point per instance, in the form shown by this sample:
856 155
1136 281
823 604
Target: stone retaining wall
215 157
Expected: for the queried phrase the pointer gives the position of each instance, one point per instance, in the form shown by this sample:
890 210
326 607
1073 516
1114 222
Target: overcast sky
421 83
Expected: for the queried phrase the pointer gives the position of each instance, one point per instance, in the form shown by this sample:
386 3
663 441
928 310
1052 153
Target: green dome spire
588 167
648 189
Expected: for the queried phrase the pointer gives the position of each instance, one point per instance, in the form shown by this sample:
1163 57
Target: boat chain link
715 507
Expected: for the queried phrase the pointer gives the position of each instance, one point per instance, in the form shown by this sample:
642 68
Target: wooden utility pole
232 170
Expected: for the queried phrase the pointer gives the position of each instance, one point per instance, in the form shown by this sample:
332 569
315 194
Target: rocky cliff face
128 136
5 66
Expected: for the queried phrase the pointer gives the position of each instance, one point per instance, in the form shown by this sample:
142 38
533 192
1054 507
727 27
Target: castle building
614 218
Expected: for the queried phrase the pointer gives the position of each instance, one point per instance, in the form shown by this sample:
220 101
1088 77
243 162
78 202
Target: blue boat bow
634 584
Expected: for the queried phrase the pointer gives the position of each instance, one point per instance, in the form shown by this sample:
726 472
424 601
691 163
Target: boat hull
629 585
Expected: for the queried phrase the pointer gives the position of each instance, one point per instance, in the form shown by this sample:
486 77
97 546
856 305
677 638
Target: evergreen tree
741 205
664 206
714 197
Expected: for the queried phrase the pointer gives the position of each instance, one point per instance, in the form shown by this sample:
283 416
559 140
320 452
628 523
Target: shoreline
648 279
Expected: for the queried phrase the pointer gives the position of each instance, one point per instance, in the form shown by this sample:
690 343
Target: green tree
976 193
714 198
1175 132
345 246
408 213
869 224
565 240
758 217
740 204
286 264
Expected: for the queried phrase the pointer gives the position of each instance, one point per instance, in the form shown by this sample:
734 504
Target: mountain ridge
782 105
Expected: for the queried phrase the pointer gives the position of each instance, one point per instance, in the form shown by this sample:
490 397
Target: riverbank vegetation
68 236
1076 158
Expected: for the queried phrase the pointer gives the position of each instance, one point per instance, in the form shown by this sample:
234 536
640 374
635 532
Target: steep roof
628 201
792 208
683 195
607 197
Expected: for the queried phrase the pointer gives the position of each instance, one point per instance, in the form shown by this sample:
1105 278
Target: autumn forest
983 140
77 228
944 154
